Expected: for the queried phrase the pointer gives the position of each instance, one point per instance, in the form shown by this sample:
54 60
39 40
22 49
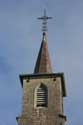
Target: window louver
42 96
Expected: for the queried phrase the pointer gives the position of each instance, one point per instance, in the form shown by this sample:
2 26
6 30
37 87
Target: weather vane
44 18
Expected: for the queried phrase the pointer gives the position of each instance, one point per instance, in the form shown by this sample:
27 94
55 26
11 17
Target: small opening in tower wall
41 94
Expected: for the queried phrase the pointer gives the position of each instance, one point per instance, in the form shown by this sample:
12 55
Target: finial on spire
44 37
44 18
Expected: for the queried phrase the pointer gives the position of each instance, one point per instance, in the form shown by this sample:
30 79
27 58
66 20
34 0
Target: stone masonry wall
32 115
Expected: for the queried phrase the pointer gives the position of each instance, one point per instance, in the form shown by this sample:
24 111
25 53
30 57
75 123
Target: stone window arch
41 96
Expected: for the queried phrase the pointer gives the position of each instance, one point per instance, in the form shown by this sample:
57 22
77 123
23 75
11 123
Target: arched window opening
41 96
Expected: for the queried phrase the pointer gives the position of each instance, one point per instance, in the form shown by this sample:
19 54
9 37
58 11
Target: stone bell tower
42 93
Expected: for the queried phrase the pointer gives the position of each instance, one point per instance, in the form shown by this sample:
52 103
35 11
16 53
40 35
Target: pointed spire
43 64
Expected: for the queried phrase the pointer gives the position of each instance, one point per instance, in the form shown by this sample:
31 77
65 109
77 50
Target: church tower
42 92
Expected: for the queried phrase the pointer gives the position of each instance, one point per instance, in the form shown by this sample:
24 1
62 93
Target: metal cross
44 19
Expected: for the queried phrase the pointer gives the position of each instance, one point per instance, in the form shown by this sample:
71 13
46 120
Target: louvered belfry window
42 96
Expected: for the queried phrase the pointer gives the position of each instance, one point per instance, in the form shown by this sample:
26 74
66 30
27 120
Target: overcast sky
20 38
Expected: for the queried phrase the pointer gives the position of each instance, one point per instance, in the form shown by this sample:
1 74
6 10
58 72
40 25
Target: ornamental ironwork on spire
44 19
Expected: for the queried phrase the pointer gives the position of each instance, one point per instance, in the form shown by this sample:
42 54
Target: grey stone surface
53 114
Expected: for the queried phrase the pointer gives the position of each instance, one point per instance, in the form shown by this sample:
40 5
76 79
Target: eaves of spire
43 63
